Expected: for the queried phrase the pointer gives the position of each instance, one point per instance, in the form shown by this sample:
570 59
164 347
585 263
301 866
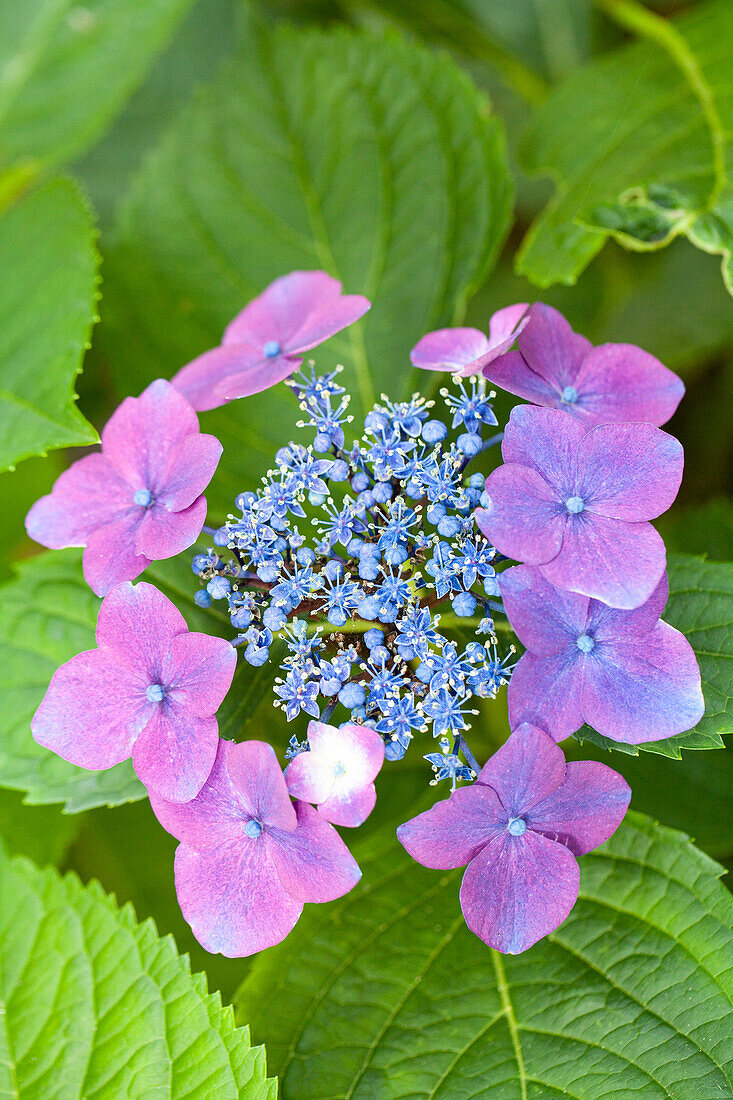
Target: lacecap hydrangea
378 574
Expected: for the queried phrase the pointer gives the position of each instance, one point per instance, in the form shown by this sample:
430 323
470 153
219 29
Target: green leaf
638 146
43 833
47 306
68 68
95 1005
312 150
700 605
631 996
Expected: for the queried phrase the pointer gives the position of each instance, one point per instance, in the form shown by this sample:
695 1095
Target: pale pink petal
174 754
232 898
110 556
620 382
511 372
518 889
197 672
544 617
197 381
309 778
606 623
551 348
449 349
163 534
546 691
586 809
507 323
527 768
629 471
618 563
312 861
93 710
643 688
190 468
256 378
523 518
282 309
86 496
452 832
348 808
547 440
325 321
254 769
141 433
139 622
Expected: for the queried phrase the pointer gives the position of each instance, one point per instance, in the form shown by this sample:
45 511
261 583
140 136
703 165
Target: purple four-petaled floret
140 499
264 343
628 675
248 858
612 383
577 502
465 351
149 691
337 774
520 828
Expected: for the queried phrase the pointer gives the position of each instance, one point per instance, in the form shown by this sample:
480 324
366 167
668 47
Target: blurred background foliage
671 301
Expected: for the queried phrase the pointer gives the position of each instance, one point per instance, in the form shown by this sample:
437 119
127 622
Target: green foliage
630 996
636 143
47 305
43 833
312 150
95 1005
68 68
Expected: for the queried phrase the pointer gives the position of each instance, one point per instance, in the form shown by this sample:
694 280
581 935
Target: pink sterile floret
337 774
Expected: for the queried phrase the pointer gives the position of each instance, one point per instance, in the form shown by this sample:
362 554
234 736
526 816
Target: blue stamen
143 497
575 505
517 826
271 349
253 828
570 395
155 693
585 643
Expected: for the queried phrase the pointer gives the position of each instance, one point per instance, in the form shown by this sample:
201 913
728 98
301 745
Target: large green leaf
47 306
361 154
701 606
67 68
638 146
386 993
95 1005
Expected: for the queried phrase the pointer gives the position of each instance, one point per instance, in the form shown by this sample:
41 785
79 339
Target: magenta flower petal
163 534
312 861
512 373
338 772
518 889
620 382
585 809
141 434
545 440
644 688
256 378
449 349
349 808
253 768
619 563
629 471
189 470
199 379
140 623
175 752
452 832
309 777
93 711
283 309
198 671
110 554
86 496
547 691
550 346
506 325
544 618
331 317
232 898
522 519
525 770
606 623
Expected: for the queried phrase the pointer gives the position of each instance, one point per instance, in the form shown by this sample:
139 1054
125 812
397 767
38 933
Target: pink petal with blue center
338 772
525 770
585 809
452 832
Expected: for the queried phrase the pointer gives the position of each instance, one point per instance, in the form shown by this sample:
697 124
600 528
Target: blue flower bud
274 618
352 695
464 604
359 482
469 443
433 431
373 637
339 471
382 492
322 443
202 598
219 588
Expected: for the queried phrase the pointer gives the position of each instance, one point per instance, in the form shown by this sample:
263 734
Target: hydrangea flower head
337 774
249 859
520 828
264 343
577 502
141 498
150 690
627 674
556 367
465 351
